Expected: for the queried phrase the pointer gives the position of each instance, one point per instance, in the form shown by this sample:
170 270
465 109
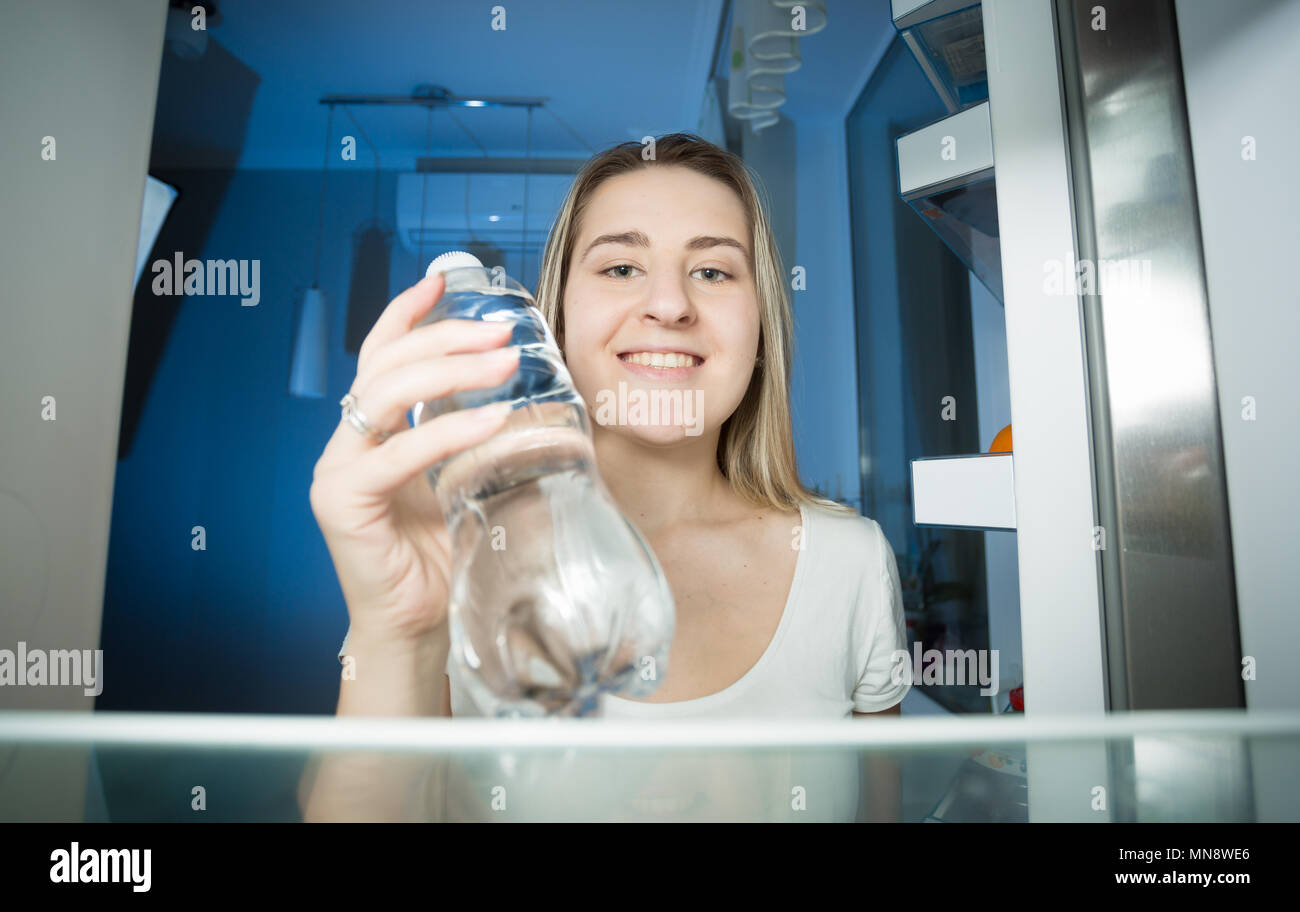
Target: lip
663 374
662 349
668 374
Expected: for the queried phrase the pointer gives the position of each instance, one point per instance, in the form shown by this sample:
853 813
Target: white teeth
663 360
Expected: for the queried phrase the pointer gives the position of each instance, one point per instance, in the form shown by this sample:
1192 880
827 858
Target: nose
669 303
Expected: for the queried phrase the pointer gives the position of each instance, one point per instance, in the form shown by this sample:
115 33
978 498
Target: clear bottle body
555 596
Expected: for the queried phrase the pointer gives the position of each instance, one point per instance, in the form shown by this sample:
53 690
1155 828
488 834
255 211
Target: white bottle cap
452 259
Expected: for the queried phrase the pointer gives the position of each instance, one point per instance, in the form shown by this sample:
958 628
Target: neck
659 486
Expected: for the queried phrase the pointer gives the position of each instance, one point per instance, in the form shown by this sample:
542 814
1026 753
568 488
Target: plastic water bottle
555 596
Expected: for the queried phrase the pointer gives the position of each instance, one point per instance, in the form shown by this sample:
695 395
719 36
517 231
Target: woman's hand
372 501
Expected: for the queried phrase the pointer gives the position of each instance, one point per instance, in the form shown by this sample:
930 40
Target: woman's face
661 319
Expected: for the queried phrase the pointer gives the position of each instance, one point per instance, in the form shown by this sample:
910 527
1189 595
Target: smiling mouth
661 360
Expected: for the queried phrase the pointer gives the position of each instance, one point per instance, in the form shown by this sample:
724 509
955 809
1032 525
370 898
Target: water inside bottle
555 596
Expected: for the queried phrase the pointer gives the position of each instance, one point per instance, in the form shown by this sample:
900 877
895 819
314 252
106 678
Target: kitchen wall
252 622
803 170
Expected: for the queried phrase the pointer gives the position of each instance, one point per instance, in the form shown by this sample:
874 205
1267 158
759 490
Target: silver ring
352 415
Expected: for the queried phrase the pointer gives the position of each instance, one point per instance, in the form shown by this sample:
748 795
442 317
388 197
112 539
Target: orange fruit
1002 442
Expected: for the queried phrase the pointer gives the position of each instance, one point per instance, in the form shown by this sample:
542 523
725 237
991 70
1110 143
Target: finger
344 445
442 338
386 408
403 456
389 396
403 312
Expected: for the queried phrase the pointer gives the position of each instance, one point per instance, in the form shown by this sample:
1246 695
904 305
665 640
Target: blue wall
252 623
824 390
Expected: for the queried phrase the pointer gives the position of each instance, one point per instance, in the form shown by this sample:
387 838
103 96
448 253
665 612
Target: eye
714 280
607 272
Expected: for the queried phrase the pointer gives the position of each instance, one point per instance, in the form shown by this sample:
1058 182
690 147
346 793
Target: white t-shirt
831 655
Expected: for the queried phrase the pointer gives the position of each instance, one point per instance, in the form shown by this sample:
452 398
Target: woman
660 272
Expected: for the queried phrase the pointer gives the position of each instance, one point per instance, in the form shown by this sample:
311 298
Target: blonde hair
756 446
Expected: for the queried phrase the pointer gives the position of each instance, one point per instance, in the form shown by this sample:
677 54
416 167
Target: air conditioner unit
483 208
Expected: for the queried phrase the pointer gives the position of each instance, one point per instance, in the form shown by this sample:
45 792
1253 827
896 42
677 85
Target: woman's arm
394 676
387 677
880 794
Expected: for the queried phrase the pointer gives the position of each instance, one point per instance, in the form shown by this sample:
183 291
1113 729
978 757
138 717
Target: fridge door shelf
947 39
946 174
965 492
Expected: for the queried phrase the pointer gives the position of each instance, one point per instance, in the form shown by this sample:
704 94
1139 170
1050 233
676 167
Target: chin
653 435
652 414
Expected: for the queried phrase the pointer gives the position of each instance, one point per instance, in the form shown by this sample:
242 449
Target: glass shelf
1210 766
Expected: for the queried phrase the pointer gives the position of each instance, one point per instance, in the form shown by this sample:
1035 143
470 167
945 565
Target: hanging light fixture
372 253
764 48
309 369
311 347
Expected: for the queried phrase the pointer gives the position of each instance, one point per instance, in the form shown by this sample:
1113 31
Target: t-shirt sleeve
878 686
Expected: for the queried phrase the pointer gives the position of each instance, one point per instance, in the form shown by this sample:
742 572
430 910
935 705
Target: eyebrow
638 239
